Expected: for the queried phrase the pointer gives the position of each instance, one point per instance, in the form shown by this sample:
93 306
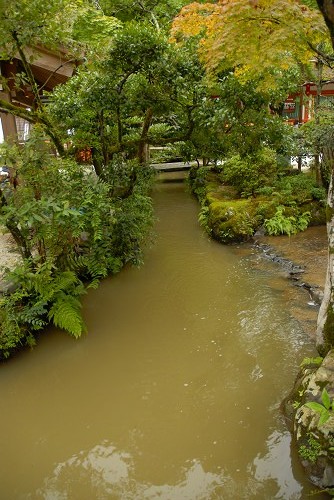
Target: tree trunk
327 9
143 142
97 163
325 323
15 231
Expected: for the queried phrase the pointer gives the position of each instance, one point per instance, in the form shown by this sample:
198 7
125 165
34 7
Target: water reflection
274 466
105 472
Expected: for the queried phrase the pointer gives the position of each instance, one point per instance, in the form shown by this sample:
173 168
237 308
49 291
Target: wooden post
300 122
8 121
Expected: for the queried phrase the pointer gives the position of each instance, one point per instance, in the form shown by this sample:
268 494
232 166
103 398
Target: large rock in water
314 440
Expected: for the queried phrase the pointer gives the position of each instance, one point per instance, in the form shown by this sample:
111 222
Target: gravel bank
9 255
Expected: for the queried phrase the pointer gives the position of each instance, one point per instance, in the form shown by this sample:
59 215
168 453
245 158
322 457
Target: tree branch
27 69
30 116
327 58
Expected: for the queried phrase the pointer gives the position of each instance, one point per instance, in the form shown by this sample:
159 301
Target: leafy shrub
197 180
72 228
133 219
281 224
251 172
299 189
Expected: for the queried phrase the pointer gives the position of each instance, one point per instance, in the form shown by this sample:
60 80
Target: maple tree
252 37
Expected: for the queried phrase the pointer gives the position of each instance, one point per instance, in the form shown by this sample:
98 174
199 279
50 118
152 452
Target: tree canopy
258 38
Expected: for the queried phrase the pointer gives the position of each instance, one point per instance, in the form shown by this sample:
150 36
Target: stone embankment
309 413
303 258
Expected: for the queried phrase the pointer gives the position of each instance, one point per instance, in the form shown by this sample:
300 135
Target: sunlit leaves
94 29
252 37
36 22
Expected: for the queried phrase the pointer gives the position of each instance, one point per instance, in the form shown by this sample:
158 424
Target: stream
174 393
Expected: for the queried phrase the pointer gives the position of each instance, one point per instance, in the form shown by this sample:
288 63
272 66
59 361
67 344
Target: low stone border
294 271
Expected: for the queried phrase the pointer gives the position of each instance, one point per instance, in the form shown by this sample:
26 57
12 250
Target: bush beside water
241 199
73 229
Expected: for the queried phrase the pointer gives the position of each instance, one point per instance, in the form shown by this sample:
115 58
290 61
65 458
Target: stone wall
314 439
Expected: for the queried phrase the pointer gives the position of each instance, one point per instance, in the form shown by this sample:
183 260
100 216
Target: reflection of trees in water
104 471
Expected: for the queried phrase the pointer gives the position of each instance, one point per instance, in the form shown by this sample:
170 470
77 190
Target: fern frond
65 313
94 284
64 280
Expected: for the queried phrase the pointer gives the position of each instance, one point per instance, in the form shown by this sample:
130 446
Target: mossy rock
314 440
229 218
233 220
317 211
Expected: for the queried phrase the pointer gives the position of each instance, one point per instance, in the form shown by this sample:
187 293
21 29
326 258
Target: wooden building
299 107
48 68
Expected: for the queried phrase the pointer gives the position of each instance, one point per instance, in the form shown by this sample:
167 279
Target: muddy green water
175 392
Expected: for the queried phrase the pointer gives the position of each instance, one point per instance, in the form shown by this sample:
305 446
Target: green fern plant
42 294
282 224
203 218
66 314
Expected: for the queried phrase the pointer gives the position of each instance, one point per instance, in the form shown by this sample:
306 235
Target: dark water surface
174 393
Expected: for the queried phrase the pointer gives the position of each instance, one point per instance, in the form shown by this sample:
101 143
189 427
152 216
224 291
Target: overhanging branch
30 116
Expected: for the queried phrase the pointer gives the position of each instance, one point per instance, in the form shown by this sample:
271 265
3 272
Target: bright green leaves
94 29
286 224
324 409
66 314
136 47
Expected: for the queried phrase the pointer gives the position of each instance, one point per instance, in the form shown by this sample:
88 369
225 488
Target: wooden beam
50 61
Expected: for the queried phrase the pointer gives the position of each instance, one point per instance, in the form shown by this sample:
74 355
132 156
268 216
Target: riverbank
300 262
307 250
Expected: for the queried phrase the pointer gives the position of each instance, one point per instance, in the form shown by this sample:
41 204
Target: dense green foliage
250 172
282 224
234 205
73 229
